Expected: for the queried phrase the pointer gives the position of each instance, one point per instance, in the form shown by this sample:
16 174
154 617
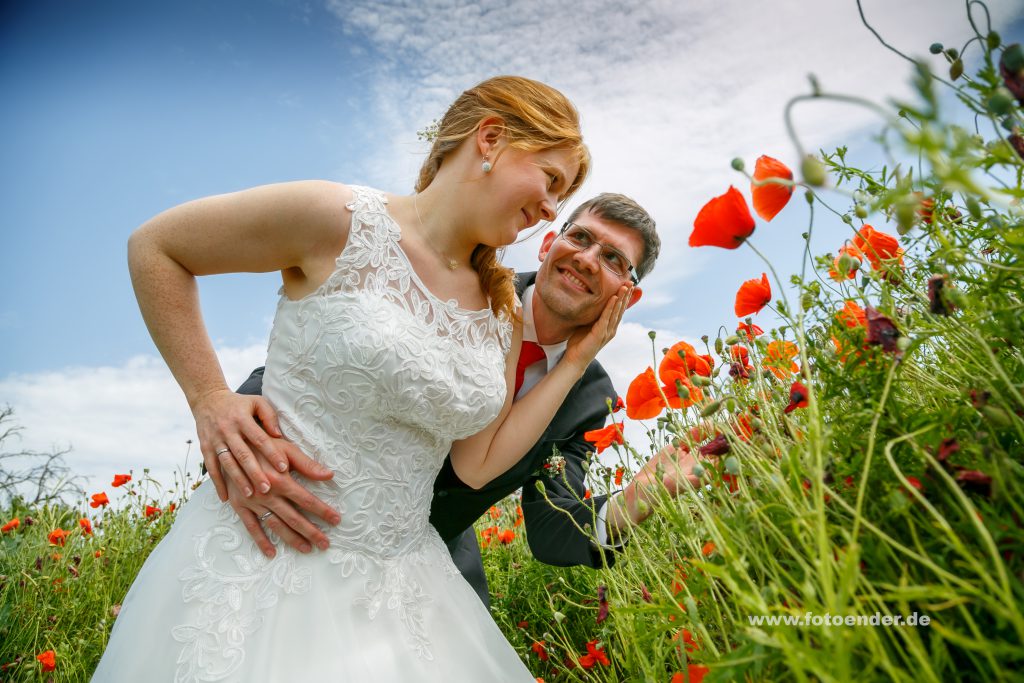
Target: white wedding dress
374 377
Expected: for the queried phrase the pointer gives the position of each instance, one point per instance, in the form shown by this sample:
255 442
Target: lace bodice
375 377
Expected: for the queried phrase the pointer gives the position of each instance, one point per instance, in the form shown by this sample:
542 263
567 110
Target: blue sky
114 111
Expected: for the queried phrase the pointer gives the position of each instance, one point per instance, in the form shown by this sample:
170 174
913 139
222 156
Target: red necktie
528 355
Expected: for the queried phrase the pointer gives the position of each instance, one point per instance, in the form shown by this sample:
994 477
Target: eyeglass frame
630 270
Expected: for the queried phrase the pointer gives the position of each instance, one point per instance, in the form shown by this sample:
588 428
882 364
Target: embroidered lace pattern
373 376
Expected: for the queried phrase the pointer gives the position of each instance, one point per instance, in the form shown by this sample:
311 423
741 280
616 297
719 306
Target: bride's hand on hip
585 342
238 447
281 512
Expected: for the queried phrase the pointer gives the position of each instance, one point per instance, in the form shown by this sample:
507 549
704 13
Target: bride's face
523 188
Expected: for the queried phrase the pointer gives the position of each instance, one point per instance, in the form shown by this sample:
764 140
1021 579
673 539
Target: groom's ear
545 246
635 296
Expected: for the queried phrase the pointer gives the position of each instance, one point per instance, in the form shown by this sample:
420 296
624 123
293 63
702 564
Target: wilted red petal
717 446
602 603
725 222
752 296
643 399
770 198
881 330
975 480
938 303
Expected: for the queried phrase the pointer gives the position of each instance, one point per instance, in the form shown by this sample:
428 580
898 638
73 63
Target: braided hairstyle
535 116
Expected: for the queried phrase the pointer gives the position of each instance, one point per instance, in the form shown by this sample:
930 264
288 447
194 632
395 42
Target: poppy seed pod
993 40
935 48
732 465
738 164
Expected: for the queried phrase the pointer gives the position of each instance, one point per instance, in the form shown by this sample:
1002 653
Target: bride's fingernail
282 466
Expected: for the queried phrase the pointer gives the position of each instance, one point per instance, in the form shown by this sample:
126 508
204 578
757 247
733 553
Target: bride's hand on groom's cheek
287 500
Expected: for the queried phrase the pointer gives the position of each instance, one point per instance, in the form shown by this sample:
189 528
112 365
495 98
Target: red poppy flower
539 649
48 659
99 499
688 642
856 259
695 673
619 404
740 354
619 472
595 655
494 512
11 525
680 360
121 479
797 397
770 198
975 480
57 537
877 246
86 526
708 548
150 511
643 398
587 494
779 358
750 329
725 222
752 296
605 437
506 536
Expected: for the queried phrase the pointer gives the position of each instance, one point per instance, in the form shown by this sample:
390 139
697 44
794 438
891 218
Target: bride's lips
574 280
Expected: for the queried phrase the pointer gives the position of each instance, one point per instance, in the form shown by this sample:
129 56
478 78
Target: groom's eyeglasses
612 259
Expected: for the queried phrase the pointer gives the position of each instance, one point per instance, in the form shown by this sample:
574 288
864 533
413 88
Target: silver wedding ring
222 450
266 514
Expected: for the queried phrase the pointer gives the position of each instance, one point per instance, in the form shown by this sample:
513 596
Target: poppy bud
953 53
710 409
559 617
540 486
956 69
860 211
809 196
806 300
973 207
813 171
732 465
681 390
992 40
730 404
704 338
737 164
1000 102
698 470
732 339
902 344
935 48
691 609
996 415
1013 59
718 344
700 381
642 507
847 263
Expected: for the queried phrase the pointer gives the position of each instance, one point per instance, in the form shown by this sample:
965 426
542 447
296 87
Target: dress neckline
450 304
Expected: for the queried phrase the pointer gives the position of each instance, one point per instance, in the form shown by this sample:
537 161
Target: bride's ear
489 136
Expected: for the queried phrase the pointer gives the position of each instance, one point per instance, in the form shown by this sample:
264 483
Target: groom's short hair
618 208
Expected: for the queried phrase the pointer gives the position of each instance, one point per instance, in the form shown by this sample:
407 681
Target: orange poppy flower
853 253
11 525
750 329
752 296
595 655
770 198
506 536
587 494
643 398
99 499
150 511
708 548
57 537
779 357
121 479
682 359
48 659
605 437
619 472
494 512
695 673
539 649
86 526
725 222
852 315
877 246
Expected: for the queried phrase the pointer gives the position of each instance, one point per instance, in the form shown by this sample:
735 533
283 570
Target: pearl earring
486 166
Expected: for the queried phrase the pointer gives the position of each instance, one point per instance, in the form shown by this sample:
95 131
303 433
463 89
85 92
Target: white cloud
130 416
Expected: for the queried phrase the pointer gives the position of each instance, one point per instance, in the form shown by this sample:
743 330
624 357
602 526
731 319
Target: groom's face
572 284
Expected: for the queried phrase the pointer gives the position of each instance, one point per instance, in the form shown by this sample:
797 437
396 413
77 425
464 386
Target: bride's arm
484 456
297 228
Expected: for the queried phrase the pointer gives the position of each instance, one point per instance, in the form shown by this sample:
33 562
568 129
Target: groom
608 241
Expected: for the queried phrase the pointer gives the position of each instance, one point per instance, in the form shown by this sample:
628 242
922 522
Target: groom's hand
286 499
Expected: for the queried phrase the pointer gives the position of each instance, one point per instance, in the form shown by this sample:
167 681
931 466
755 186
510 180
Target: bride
395 338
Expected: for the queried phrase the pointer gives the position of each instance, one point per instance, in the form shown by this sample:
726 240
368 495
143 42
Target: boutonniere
553 466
